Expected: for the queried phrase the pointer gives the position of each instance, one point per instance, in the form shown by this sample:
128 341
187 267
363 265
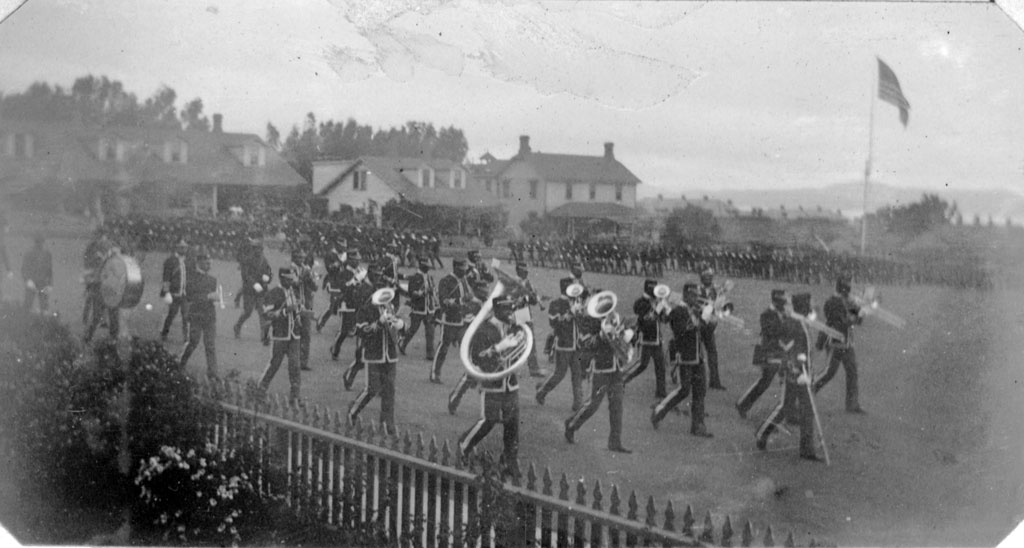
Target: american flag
890 92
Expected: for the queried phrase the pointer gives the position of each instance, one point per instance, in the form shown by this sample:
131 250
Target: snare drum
121 282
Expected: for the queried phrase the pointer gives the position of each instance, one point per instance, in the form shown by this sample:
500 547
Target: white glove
265 278
505 344
168 298
398 324
627 335
31 285
257 287
707 313
804 379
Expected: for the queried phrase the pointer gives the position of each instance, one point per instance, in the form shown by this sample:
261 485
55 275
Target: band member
356 288
334 285
709 293
841 314
794 342
576 270
37 272
650 314
201 293
423 302
687 351
564 315
388 266
499 398
282 307
377 329
101 312
256 273
92 260
306 282
478 275
607 373
454 293
362 296
175 278
769 357
524 296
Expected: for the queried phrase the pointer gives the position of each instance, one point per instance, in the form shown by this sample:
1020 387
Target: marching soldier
688 353
37 272
306 283
362 295
175 278
709 293
524 296
283 306
794 342
201 292
841 314
478 275
334 285
650 312
377 328
769 355
607 372
101 312
454 293
500 397
256 273
423 302
356 287
563 315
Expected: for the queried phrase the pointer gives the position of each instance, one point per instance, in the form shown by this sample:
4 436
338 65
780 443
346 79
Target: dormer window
254 155
176 152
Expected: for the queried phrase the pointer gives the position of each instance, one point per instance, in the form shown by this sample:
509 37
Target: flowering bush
203 496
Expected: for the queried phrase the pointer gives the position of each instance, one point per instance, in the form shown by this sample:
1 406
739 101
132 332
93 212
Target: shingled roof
574 168
391 172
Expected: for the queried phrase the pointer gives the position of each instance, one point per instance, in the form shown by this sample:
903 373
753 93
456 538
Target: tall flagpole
867 169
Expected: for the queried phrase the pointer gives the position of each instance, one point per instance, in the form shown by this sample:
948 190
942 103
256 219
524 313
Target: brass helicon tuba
602 306
515 347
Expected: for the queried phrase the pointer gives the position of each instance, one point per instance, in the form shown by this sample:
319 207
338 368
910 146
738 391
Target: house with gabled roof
570 186
138 169
368 182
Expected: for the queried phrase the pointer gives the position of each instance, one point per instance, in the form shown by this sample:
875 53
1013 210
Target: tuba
516 347
602 306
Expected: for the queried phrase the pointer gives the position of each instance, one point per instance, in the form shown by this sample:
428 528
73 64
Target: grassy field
938 460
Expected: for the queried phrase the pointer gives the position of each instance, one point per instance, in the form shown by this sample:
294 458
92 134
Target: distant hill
848 197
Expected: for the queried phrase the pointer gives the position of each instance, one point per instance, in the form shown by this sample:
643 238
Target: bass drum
121 282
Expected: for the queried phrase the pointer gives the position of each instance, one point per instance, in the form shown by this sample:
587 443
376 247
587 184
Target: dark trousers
306 324
348 326
112 315
707 337
279 350
691 383
252 301
609 384
498 408
796 401
380 381
178 304
93 303
531 361
565 361
747 400
455 397
651 353
451 335
30 297
427 321
205 329
848 359
332 309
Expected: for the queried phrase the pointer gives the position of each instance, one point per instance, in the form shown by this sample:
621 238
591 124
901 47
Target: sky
694 95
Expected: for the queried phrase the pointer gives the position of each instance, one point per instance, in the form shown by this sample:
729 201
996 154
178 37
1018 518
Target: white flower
213 502
181 528
202 462
191 453
220 528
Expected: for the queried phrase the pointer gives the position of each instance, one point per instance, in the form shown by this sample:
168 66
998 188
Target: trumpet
514 348
602 306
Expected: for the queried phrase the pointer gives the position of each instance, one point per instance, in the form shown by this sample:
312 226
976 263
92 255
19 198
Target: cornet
602 306
514 348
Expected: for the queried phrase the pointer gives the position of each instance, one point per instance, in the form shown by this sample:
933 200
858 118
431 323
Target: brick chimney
609 151
218 123
524 145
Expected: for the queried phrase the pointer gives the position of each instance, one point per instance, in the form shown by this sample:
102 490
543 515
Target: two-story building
569 186
137 169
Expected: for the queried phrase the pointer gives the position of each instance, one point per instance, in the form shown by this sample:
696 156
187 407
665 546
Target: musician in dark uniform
607 372
362 295
423 302
175 278
334 286
709 293
37 273
795 344
478 275
306 282
687 351
841 314
769 356
201 293
356 289
524 296
488 349
92 260
256 274
564 316
377 328
454 293
282 306
650 312
101 312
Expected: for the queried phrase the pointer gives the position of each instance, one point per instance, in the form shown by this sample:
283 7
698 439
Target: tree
273 137
690 224
919 217
192 116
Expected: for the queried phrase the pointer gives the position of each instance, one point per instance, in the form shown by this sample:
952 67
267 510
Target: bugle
515 348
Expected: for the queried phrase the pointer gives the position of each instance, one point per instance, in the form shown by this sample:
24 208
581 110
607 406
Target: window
175 152
506 188
533 188
489 186
593 192
252 156
618 193
425 181
568 191
462 179
359 180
